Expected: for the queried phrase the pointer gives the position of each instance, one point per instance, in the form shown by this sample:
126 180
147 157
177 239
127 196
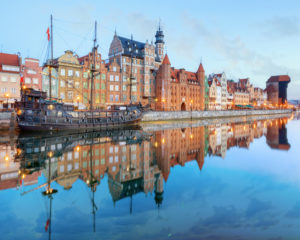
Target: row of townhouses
135 72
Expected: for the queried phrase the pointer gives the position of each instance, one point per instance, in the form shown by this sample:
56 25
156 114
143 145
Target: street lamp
191 103
163 101
78 99
7 96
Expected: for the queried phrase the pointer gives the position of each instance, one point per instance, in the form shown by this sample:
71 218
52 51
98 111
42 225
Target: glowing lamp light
50 107
7 95
77 148
156 144
6 158
163 141
50 154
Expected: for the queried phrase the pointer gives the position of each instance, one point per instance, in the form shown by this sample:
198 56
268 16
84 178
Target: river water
234 180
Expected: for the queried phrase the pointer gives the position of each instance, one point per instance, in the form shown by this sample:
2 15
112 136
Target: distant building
215 94
221 77
32 73
10 69
178 89
277 89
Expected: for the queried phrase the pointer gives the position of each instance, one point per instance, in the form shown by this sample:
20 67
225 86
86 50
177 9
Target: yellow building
70 87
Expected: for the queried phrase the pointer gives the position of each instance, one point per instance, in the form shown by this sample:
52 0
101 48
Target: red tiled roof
279 78
9 59
166 60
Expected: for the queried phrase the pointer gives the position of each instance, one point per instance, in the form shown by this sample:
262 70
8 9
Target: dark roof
134 45
279 78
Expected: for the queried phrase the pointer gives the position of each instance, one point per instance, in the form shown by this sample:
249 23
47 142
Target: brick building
99 96
10 69
32 73
178 89
277 89
138 63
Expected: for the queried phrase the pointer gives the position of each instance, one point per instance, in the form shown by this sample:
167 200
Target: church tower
201 79
159 43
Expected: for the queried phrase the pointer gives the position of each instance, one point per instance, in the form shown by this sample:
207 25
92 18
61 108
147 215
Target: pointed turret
200 68
166 60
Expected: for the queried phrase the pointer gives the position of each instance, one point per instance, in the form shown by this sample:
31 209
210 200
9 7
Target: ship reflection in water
126 162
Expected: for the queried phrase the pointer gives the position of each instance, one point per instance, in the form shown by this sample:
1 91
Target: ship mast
51 60
93 68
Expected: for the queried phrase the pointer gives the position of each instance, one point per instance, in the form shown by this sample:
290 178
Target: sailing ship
38 112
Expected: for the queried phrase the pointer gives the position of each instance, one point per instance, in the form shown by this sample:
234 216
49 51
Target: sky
254 39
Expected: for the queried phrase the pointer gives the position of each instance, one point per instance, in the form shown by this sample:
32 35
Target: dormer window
129 49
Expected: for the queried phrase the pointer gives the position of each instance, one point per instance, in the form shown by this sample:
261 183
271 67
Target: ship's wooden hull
31 126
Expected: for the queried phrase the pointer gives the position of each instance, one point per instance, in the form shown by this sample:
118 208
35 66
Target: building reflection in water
134 161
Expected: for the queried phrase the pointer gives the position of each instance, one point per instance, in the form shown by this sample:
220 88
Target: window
62 72
77 73
97 86
117 98
85 75
62 95
85 85
70 73
62 168
124 60
27 80
70 95
135 70
13 90
111 149
97 66
117 78
124 87
117 88
111 98
102 97
103 76
134 88
35 81
3 90
111 78
114 69
70 83
102 151
62 83
103 86
77 84
111 87
124 69
124 98
13 79
124 79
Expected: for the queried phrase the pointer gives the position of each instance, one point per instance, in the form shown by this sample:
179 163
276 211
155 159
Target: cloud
280 27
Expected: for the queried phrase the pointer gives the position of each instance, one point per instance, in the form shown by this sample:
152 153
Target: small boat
37 112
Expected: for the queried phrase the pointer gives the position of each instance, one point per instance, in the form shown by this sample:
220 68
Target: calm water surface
230 181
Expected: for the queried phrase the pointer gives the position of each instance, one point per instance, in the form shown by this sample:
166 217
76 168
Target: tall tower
159 43
201 78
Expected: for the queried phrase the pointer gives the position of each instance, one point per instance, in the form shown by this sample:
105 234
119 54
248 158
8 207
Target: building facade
277 89
178 89
10 70
138 63
70 86
99 93
32 73
215 94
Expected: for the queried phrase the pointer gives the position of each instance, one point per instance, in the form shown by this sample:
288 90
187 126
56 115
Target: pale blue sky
253 39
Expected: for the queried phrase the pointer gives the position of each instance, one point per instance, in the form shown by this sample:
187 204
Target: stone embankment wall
163 116
7 120
165 125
